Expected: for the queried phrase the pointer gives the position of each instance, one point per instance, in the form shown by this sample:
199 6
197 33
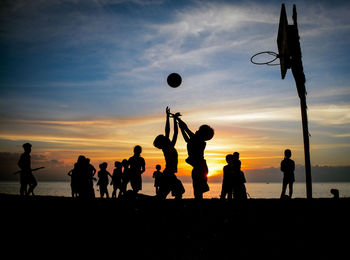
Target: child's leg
284 187
101 191
290 189
229 195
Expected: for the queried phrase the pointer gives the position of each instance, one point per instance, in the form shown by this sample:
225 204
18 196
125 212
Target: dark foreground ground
145 228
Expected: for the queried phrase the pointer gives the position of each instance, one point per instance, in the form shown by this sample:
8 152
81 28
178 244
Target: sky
89 77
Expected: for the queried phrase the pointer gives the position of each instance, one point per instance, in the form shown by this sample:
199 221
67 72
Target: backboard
282 42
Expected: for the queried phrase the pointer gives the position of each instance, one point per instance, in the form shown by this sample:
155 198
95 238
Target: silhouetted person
195 149
24 164
103 179
81 171
136 168
74 183
117 178
287 167
169 181
157 175
91 173
239 190
125 177
227 180
26 174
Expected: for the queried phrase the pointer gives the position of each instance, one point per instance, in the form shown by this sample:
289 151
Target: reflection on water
255 190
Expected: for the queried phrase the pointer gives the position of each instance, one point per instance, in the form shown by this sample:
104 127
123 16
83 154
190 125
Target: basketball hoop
269 63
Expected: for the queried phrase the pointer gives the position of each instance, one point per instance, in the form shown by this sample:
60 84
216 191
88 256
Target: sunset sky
89 77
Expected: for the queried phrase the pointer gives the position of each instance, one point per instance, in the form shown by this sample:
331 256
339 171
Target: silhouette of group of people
82 176
127 171
166 182
233 179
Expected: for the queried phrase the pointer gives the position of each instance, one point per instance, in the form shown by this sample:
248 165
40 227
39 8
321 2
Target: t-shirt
136 163
288 167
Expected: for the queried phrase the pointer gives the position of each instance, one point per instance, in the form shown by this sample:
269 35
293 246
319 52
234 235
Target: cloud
197 34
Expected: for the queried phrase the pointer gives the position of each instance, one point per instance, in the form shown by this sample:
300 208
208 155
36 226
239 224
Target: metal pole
306 148
299 77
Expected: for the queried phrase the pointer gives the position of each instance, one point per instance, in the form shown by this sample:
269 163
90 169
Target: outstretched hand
167 110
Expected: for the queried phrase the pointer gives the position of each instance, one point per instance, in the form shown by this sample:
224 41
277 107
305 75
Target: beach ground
187 229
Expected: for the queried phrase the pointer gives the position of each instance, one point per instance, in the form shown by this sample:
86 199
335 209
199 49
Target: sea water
254 190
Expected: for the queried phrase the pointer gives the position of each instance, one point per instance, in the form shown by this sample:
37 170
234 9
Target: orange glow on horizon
109 140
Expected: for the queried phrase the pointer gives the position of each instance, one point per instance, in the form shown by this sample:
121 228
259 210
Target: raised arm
186 133
167 124
176 129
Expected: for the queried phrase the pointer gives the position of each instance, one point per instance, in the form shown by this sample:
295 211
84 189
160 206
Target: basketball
174 80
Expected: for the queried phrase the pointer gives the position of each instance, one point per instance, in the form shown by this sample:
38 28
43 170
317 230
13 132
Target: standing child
137 167
239 190
125 177
26 175
227 181
157 176
103 179
287 167
117 179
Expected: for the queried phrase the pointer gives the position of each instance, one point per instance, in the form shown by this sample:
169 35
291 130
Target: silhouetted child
287 167
103 179
239 189
157 175
227 181
73 183
169 182
125 177
91 173
26 175
195 148
117 178
136 168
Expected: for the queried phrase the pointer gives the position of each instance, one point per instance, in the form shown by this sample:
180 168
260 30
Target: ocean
255 190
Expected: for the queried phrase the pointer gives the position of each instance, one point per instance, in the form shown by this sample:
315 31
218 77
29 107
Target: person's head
205 132
287 153
229 158
161 141
125 163
158 167
87 160
81 159
27 147
137 150
103 166
236 155
117 164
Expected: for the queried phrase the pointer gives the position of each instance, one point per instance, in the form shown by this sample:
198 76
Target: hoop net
271 53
